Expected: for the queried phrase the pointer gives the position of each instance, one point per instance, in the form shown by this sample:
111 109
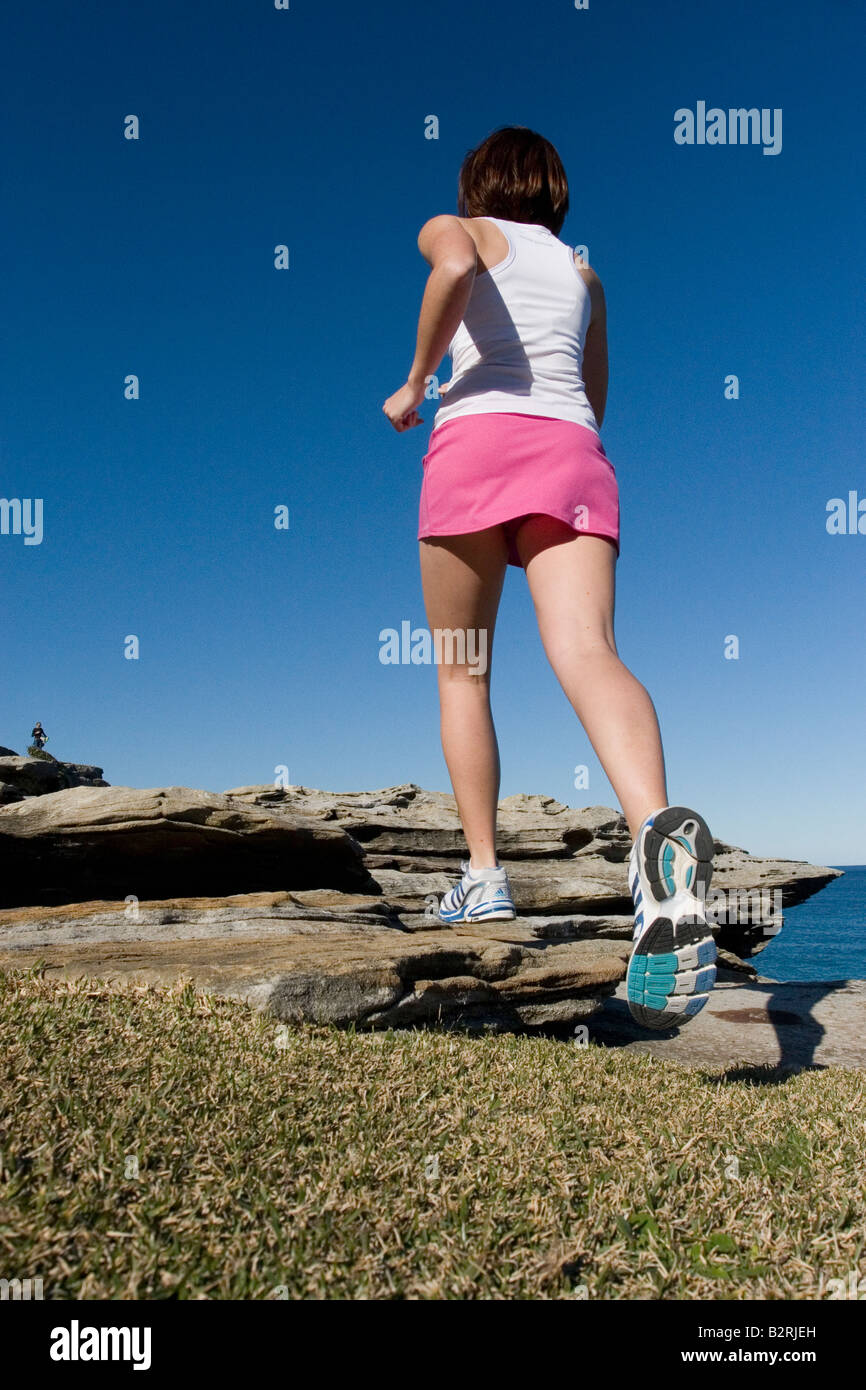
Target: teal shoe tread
670 987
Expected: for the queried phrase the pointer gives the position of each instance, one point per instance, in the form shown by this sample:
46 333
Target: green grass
303 1162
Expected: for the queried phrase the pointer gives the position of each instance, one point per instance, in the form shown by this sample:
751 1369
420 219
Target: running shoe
673 963
481 895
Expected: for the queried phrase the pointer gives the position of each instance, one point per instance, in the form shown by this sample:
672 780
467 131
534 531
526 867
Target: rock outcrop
116 842
322 906
762 1026
562 862
352 961
24 777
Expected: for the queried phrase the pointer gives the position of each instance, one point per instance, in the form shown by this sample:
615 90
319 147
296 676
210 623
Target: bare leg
571 579
462 578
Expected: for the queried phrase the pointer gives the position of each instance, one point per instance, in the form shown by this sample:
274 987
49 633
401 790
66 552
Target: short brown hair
515 174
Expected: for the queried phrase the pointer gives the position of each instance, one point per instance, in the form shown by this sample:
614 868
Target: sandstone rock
564 863
586 886
30 776
765 1028
113 842
39 776
274 952
560 860
189 919
266 893
407 820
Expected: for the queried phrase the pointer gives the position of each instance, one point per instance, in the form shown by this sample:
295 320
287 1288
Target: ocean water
823 938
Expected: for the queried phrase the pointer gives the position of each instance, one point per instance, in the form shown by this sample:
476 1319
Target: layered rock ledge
22 777
321 906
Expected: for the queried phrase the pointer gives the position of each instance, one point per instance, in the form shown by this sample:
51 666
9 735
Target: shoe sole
673 965
671 972
677 828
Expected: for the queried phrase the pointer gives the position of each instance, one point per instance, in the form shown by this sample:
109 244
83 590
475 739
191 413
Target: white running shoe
673 964
481 895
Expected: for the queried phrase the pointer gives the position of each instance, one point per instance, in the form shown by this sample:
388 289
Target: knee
463 657
464 682
580 650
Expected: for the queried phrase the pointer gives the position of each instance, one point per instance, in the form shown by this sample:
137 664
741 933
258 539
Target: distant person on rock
515 473
39 736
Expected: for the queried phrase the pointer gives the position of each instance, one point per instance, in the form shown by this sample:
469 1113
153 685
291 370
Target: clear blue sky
259 388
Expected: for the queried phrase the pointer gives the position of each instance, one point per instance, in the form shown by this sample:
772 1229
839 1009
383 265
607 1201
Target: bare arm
450 251
595 363
445 243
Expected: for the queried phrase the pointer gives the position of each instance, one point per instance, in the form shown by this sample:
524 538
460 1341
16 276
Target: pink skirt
498 468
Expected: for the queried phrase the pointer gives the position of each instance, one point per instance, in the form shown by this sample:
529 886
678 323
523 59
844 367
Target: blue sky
259 647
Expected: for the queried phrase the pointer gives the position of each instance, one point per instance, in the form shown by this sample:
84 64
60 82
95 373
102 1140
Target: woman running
515 473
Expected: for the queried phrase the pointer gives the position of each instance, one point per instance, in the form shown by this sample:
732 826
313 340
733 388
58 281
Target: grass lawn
159 1143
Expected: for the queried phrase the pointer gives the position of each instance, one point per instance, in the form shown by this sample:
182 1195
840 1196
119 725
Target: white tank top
519 346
